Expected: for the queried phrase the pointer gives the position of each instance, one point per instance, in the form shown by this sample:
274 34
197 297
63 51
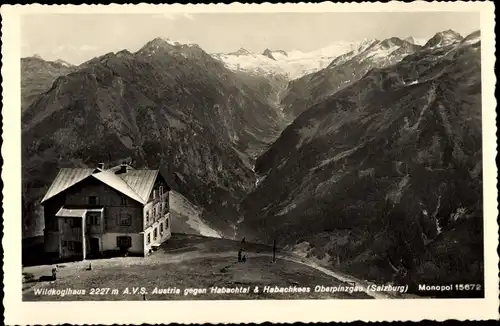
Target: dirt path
338 276
179 251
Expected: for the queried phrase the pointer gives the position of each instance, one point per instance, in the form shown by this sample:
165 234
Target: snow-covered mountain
304 92
63 63
416 41
381 146
291 64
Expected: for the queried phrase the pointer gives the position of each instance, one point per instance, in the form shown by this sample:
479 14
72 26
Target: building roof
79 212
64 212
65 179
117 183
136 184
141 181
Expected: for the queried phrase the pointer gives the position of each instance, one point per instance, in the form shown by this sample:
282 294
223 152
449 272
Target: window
161 228
147 216
124 200
124 242
149 238
93 219
92 200
69 244
154 194
125 219
155 234
166 223
64 243
161 191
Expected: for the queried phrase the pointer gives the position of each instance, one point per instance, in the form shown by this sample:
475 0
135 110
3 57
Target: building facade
90 212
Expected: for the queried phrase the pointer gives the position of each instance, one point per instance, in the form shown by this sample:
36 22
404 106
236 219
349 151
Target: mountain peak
410 39
449 31
162 43
444 38
392 41
156 44
268 53
241 51
64 63
367 41
365 44
472 38
271 54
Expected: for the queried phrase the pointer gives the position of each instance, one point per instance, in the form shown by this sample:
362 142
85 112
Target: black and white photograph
267 155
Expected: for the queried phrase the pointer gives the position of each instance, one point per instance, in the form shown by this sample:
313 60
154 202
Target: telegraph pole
274 251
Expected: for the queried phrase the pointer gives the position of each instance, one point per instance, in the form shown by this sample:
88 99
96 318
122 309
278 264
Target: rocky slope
168 105
346 69
37 75
444 38
384 178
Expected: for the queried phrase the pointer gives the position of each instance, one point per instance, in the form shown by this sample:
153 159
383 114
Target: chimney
123 169
100 166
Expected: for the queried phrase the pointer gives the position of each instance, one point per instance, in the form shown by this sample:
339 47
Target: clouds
174 15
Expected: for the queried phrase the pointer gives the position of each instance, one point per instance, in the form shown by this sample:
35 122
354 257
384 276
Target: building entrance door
94 247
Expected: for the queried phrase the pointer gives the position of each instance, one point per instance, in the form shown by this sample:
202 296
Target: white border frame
18 312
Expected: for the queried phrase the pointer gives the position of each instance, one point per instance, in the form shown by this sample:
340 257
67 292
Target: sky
76 38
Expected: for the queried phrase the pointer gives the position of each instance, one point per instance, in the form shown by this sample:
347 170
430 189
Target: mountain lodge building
91 211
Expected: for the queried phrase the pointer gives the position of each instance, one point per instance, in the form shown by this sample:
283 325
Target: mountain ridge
343 71
37 76
157 108
382 179
289 64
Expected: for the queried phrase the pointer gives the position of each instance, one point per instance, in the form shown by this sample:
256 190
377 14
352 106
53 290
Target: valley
382 177
364 157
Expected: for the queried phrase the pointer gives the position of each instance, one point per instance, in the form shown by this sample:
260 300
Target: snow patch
411 83
384 53
396 193
302 249
307 132
294 64
287 209
459 214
